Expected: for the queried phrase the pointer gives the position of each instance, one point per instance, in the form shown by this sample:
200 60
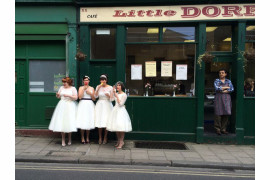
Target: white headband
103 76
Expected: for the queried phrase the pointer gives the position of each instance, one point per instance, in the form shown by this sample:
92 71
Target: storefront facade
138 43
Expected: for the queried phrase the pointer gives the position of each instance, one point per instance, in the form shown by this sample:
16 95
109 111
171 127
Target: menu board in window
181 72
166 68
136 71
150 69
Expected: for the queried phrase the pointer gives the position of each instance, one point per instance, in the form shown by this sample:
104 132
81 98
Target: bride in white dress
64 115
103 107
119 120
86 109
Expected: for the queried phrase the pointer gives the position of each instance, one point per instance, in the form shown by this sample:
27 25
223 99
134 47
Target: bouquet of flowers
147 87
174 88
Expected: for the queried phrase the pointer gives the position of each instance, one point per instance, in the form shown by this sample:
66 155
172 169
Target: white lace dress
119 119
103 107
64 115
86 113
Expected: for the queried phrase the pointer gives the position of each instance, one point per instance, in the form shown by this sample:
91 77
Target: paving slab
155 153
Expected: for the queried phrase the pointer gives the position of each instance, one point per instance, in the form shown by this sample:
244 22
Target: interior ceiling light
187 40
210 29
227 39
154 30
250 28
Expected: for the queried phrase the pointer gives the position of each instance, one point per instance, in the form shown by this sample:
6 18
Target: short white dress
119 119
86 113
64 115
103 107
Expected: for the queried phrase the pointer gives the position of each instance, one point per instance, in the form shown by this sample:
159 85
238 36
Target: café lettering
192 12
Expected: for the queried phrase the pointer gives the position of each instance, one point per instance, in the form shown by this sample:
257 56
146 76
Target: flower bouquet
147 87
174 88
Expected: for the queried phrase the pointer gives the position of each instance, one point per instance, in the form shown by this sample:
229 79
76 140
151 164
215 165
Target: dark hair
122 85
104 78
223 70
86 77
68 80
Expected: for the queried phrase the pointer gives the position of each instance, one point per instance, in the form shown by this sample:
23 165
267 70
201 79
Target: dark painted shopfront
135 34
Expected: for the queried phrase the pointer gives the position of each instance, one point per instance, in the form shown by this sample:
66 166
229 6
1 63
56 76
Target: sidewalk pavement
48 149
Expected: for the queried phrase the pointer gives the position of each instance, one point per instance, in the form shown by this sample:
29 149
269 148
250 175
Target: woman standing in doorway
103 107
222 104
64 115
86 109
119 120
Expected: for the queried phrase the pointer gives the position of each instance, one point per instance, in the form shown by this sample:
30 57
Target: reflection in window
178 54
46 75
142 34
218 38
178 34
250 33
103 43
249 86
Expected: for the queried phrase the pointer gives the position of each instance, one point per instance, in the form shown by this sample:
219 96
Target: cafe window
46 75
218 38
178 34
142 34
162 66
103 43
249 85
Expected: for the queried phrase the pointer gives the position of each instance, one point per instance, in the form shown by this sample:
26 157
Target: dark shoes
221 132
218 132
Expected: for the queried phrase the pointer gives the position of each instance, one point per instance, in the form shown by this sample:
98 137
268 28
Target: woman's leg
99 135
117 135
121 142
69 138
105 137
82 136
63 139
87 136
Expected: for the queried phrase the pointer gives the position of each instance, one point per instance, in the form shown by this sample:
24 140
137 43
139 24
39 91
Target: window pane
46 75
142 34
103 43
250 70
179 34
219 38
250 33
178 54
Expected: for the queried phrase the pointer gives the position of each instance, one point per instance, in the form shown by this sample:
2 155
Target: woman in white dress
64 115
119 120
86 109
103 107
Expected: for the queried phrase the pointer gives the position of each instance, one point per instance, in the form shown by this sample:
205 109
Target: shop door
98 68
20 92
211 73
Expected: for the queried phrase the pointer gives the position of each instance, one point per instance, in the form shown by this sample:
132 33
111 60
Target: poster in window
150 69
136 71
181 72
57 81
166 68
36 86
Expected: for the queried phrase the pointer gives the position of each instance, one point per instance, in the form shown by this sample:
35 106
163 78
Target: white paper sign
136 72
150 69
181 72
166 68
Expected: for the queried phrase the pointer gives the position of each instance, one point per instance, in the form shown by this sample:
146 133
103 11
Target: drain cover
160 145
